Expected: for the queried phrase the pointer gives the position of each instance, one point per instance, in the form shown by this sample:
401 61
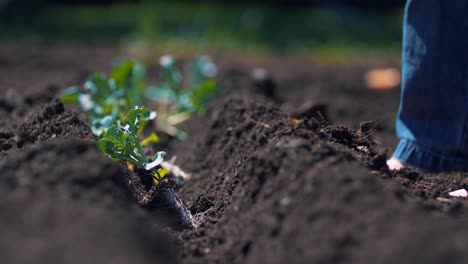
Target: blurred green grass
327 32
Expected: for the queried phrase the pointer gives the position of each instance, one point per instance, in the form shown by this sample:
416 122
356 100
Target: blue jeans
432 121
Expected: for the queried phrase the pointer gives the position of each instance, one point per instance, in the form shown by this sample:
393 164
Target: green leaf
122 74
71 95
171 76
161 94
128 77
100 125
101 100
201 69
202 95
102 145
185 102
138 117
153 138
98 85
123 140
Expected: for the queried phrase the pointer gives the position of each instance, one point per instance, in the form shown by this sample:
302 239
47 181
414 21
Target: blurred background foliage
325 28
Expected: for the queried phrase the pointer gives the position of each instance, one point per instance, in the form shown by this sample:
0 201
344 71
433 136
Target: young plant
179 99
106 98
121 142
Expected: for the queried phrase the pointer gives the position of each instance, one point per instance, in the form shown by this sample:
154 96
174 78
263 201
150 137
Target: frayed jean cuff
412 154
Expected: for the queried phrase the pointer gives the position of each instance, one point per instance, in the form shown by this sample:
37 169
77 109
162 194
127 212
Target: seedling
121 142
106 99
178 99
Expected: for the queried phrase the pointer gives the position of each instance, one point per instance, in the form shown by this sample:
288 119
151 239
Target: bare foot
394 164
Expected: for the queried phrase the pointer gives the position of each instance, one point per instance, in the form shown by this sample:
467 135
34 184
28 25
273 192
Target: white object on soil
459 193
175 170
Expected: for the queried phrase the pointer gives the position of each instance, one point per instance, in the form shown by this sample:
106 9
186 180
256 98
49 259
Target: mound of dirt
64 202
281 190
53 121
42 227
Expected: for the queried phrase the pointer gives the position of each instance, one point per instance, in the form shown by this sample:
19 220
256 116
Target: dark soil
285 170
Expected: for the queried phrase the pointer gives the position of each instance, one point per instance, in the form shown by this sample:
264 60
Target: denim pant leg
432 118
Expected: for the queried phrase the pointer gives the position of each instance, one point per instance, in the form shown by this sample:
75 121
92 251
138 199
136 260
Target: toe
394 164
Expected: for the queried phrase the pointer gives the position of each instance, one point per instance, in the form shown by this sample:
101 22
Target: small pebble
459 193
285 201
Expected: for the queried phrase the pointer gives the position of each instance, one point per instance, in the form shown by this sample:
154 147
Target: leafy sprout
106 98
121 142
179 99
190 96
